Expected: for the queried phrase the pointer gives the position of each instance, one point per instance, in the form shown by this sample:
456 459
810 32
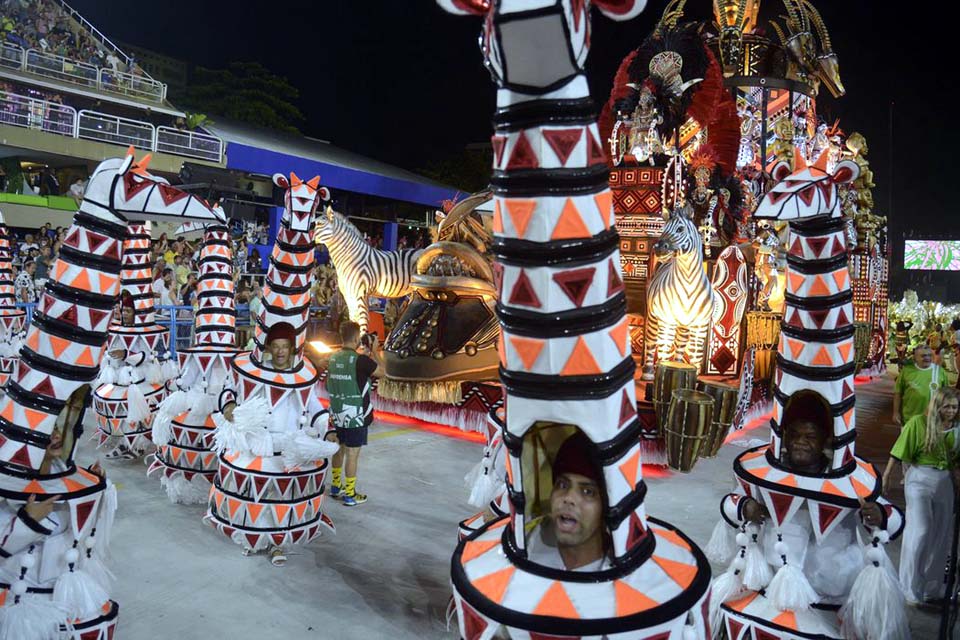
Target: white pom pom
738 563
883 536
28 560
302 420
90 542
790 590
875 554
179 381
71 556
781 548
19 587
689 633
742 539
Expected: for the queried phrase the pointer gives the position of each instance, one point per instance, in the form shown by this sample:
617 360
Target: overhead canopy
268 152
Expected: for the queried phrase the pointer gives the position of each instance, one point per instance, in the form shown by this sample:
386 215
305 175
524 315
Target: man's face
923 356
804 443
576 507
167 277
29 238
281 350
30 268
127 316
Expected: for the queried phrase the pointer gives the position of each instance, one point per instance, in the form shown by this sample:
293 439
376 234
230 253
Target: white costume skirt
923 554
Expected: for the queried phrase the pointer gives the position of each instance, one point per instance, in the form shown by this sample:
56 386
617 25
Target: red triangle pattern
542 636
817 244
627 410
760 634
45 387
847 455
781 504
846 390
21 457
637 531
523 156
614 282
97 316
595 154
842 319
83 512
837 247
473 623
575 283
563 141
819 317
170 195
733 628
827 514
498 143
523 292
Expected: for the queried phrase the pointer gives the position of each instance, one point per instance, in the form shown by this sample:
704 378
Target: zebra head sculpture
679 236
300 200
122 188
806 191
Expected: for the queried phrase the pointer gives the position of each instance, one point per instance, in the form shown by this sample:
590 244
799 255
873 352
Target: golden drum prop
667 377
687 428
862 335
724 408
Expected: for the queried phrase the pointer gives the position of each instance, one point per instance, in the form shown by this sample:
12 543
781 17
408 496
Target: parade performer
917 382
349 374
133 378
570 420
805 500
56 517
928 445
268 490
12 318
183 427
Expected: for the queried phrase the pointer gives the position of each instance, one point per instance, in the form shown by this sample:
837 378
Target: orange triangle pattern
842 278
829 487
34 417
581 362
604 201
521 211
796 347
629 600
497 223
682 574
253 510
82 281
845 348
59 345
796 281
85 359
494 586
570 225
823 357
528 349
630 467
673 537
787 619
280 512
619 336
848 416
556 602
476 548
819 287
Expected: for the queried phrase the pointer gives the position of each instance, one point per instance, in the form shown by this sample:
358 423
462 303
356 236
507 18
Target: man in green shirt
349 374
915 385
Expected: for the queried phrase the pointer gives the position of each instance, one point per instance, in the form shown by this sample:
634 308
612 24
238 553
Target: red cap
281 331
574 457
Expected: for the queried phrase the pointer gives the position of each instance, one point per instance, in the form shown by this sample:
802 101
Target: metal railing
75 15
30 113
189 143
60 68
179 321
103 127
48 65
131 84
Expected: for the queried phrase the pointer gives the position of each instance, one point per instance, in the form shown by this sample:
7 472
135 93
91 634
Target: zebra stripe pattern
363 270
679 298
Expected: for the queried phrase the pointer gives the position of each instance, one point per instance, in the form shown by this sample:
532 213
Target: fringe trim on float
448 415
653 452
443 392
183 491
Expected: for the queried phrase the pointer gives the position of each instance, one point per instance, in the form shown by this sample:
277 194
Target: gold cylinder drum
862 334
724 408
668 377
687 428
763 333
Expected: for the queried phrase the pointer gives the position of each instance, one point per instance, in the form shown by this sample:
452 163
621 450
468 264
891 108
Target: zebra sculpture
679 298
363 270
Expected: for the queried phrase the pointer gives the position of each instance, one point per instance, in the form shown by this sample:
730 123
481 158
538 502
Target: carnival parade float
184 425
269 487
57 515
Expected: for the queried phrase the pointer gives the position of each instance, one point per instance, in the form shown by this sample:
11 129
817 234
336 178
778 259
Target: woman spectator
254 262
928 445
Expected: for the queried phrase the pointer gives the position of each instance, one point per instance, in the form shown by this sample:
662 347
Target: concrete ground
385 573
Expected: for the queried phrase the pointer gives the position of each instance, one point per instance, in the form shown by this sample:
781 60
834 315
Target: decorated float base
187 463
113 427
752 616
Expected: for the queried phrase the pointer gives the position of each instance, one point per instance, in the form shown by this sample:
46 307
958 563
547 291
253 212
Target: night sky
403 82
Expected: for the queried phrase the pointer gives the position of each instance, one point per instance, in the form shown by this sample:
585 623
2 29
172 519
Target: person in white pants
928 446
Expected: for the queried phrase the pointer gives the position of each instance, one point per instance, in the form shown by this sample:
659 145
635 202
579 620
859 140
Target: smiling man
572 536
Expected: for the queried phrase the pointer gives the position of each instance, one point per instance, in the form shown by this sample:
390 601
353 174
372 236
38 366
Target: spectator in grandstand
77 189
181 270
27 244
43 262
26 290
164 288
49 185
254 262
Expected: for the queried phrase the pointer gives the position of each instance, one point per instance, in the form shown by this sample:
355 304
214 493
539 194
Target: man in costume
915 384
349 373
269 486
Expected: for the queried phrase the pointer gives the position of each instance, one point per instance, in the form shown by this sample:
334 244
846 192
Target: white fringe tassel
174 404
79 594
727 586
756 571
249 419
300 448
182 491
137 408
98 571
790 590
722 545
875 608
125 376
34 617
108 509
169 369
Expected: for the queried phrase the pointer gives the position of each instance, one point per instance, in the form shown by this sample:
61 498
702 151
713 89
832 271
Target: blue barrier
179 321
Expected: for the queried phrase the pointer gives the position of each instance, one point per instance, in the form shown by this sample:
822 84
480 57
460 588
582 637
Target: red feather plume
620 91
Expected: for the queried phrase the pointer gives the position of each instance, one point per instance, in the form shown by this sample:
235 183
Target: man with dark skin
803 443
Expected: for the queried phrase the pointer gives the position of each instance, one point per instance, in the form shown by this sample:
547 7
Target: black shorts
352 437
